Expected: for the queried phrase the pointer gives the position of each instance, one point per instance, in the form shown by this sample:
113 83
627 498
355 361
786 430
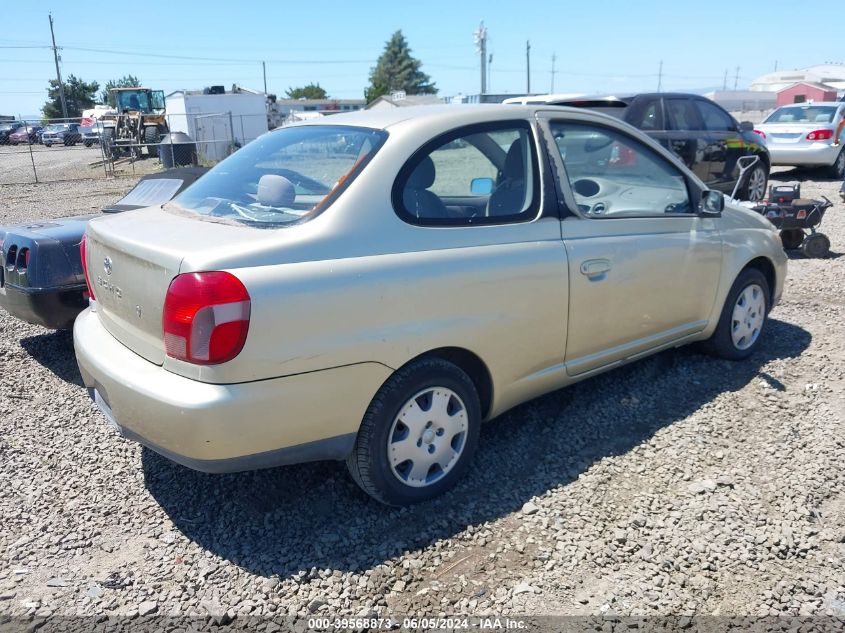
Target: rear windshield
283 177
803 114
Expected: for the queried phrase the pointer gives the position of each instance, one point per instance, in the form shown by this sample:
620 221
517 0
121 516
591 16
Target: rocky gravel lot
681 485
19 164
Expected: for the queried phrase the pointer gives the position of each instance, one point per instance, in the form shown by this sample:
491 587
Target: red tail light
820 135
82 252
760 132
206 317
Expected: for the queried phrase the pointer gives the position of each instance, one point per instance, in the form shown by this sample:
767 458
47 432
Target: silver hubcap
748 316
427 437
757 185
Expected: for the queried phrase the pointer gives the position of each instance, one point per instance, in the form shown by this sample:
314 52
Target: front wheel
418 435
743 317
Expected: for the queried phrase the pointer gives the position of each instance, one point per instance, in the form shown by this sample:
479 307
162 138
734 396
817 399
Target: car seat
418 200
508 198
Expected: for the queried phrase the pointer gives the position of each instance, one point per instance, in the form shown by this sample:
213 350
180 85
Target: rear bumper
225 428
817 154
54 308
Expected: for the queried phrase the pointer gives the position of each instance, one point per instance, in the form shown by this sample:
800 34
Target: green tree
127 81
79 95
311 91
396 69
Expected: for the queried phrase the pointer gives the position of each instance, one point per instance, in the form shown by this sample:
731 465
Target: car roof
459 114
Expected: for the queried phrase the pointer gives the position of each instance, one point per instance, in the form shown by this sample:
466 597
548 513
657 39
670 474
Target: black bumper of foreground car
54 308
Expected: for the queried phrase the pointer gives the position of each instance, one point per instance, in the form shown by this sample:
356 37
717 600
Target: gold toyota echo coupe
373 286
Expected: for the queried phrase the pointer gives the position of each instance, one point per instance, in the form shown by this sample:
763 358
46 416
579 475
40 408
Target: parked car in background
25 134
378 305
802 134
708 140
42 280
7 128
61 133
91 133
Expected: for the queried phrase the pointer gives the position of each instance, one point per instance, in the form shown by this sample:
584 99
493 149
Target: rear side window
482 174
682 115
714 118
283 177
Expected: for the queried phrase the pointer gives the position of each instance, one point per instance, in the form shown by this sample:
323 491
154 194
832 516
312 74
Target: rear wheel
816 246
837 170
419 433
743 317
754 188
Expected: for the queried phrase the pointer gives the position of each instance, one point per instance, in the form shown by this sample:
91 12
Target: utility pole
264 70
736 78
725 80
490 71
58 72
660 76
776 65
481 47
552 89
527 66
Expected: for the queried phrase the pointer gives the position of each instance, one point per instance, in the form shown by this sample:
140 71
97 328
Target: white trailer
218 122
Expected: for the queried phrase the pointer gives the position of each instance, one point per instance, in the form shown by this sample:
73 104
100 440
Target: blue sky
606 46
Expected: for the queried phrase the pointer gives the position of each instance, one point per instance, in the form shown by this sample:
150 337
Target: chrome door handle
595 267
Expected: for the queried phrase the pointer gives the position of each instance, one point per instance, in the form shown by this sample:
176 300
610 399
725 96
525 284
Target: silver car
373 286
802 135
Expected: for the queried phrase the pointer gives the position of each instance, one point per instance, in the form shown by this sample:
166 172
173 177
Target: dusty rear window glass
284 177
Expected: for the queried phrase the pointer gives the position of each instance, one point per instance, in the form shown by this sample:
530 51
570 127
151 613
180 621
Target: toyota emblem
107 265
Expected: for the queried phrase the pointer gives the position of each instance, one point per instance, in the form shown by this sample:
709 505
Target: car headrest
423 175
514 167
275 191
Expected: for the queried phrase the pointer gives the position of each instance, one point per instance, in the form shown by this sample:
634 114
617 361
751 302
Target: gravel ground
680 485
58 163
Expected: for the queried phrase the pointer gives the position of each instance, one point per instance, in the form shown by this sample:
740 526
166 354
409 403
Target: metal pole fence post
29 142
170 127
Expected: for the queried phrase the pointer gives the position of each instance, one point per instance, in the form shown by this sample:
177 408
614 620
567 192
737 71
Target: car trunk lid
130 277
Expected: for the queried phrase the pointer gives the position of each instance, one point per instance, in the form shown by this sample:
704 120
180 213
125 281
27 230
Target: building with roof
805 91
400 100
832 75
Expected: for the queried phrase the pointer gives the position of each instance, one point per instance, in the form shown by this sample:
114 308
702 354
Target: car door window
614 175
648 117
714 118
481 174
681 115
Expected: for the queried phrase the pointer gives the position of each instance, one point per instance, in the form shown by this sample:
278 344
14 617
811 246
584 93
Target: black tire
792 238
107 142
369 464
751 189
721 343
89 143
151 138
48 145
816 246
837 170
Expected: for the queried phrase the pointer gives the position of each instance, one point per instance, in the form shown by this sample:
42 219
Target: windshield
803 114
283 177
55 127
7 126
133 100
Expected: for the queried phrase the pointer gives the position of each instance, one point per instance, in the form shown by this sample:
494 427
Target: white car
802 135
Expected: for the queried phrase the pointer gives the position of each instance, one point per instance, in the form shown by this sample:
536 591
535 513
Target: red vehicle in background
25 134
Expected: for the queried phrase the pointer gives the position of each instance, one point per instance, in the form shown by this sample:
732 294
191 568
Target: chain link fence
55 150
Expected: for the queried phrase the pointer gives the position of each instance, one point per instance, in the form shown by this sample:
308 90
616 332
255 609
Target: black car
41 278
705 137
7 128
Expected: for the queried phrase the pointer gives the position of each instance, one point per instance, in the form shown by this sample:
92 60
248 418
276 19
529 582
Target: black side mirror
712 203
746 126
